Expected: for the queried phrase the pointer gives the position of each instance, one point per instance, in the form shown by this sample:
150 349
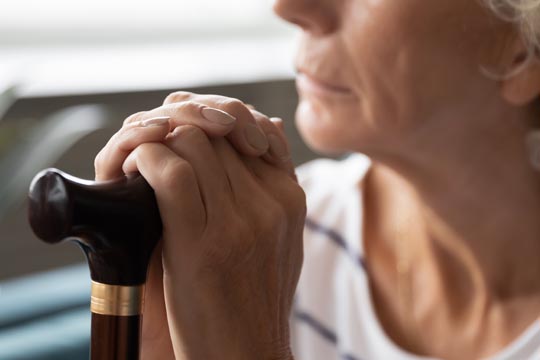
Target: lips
319 66
311 84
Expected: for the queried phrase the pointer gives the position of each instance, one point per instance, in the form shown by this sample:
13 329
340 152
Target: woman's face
394 67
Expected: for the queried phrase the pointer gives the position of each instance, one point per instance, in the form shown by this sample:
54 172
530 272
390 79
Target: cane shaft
115 337
116 318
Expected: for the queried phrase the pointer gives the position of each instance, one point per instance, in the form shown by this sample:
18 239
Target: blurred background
70 73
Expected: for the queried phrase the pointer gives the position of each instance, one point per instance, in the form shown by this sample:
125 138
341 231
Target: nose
318 17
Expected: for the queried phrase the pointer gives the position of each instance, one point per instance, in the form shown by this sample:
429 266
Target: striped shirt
333 316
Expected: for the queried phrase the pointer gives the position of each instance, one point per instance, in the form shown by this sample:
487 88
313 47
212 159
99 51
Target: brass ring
116 300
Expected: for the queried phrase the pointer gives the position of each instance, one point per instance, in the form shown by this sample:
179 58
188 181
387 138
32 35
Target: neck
466 202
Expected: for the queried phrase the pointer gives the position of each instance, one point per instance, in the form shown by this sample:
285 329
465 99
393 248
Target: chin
322 131
319 142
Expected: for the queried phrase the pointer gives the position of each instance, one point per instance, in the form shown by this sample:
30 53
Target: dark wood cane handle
116 223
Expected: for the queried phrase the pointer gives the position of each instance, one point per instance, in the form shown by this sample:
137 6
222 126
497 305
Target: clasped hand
222 280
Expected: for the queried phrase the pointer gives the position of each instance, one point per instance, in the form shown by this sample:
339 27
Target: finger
108 162
176 188
278 183
134 118
279 123
290 165
251 175
156 339
213 121
240 178
278 153
192 144
179 96
246 136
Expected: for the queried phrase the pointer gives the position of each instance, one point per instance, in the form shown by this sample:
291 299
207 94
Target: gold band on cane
116 300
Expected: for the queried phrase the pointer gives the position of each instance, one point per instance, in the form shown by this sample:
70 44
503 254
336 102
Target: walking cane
117 225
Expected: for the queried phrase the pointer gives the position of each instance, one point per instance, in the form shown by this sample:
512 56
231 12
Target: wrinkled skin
451 183
221 283
451 193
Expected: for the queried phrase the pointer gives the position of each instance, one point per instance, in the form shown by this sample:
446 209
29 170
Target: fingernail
278 122
256 138
157 121
277 147
217 116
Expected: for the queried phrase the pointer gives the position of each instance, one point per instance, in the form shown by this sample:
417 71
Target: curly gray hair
525 14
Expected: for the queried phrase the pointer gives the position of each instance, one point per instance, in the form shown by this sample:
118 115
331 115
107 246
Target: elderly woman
427 246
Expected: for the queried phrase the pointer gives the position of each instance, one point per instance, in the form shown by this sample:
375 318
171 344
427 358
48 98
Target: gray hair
525 14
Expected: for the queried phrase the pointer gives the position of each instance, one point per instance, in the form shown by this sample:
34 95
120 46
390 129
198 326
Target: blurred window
73 46
38 22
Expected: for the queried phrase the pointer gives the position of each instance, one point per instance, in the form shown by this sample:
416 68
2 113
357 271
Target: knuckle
233 106
127 139
118 140
186 106
190 133
127 131
133 118
177 174
177 96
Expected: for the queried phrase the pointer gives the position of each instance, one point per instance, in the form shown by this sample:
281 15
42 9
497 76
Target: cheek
417 62
409 64
369 58
390 58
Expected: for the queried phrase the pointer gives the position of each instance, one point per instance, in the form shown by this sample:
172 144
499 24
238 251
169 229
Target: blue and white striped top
333 316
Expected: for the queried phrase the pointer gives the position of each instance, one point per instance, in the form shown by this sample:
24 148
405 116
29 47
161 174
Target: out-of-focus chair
46 316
